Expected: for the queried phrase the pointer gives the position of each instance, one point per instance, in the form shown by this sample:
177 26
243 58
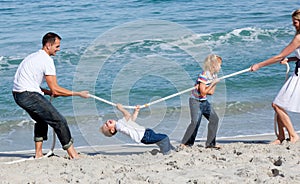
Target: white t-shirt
32 71
131 129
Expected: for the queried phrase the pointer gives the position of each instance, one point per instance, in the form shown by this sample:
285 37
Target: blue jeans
44 113
161 140
197 109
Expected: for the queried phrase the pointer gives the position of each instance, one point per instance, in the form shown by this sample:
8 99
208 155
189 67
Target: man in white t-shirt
29 95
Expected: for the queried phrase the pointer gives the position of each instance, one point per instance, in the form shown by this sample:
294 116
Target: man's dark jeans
44 113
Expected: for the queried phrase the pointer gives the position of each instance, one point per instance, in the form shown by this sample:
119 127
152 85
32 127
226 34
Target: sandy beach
240 160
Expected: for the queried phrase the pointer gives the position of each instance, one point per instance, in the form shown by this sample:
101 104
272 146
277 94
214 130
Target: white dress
289 95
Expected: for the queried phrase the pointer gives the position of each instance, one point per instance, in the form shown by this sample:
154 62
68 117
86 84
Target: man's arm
56 90
125 113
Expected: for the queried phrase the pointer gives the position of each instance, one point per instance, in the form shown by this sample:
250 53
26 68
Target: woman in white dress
288 98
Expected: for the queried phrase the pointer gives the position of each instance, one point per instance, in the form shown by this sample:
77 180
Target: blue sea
134 52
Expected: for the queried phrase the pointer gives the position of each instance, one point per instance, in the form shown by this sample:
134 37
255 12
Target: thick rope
170 96
275 116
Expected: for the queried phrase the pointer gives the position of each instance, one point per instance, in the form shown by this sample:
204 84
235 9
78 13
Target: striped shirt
206 78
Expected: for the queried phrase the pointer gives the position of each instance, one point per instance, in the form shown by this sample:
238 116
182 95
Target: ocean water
135 52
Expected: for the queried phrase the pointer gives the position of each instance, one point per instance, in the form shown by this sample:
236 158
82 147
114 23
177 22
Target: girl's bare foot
181 147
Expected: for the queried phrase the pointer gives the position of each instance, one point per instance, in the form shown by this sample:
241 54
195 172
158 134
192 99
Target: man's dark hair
50 38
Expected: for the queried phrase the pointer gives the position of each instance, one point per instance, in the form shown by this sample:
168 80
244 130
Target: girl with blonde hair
199 105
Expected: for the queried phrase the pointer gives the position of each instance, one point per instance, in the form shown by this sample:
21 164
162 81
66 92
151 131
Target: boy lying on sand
139 134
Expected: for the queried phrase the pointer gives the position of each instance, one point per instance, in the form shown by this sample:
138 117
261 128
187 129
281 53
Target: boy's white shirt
131 129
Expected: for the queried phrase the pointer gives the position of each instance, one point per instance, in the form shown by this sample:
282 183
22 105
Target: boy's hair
107 133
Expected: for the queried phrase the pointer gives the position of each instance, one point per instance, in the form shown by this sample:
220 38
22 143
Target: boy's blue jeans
197 109
44 113
162 140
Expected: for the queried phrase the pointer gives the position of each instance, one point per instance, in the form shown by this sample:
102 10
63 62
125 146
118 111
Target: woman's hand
254 67
284 61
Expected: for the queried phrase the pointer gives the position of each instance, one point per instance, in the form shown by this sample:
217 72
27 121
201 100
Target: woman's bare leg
285 120
281 134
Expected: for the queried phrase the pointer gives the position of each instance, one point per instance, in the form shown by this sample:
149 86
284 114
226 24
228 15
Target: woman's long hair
296 15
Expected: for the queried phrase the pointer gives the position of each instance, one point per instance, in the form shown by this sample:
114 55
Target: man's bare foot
276 142
38 155
72 152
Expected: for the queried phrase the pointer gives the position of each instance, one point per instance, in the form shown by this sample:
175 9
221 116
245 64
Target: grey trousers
197 109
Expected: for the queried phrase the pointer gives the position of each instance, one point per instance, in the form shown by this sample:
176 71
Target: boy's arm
135 113
125 113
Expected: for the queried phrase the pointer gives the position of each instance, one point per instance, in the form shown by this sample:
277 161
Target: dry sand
240 160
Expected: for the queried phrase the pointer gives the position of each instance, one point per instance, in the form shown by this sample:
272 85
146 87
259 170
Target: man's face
55 47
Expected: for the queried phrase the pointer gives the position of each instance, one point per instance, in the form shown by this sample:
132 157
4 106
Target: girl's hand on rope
215 81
